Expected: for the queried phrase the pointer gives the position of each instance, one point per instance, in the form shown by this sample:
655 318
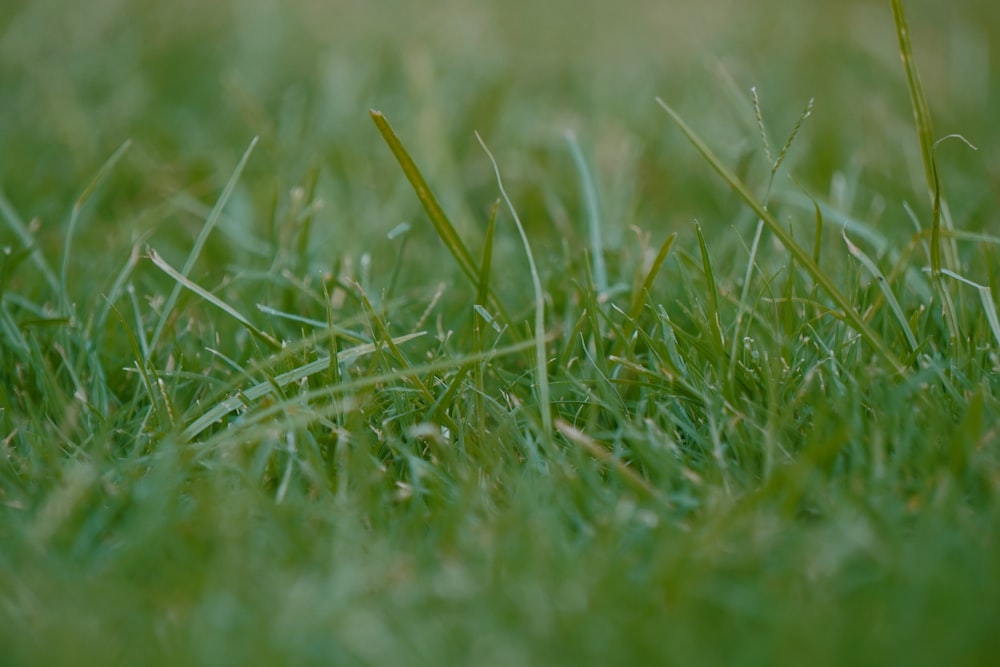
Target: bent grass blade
210 223
182 280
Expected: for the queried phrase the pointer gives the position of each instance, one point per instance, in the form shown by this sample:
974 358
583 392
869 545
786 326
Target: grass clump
311 403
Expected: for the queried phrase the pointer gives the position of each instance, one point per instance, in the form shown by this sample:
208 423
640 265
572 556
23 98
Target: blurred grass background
191 82
207 569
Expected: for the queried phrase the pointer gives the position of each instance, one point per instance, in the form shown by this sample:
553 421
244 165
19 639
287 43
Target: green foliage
270 393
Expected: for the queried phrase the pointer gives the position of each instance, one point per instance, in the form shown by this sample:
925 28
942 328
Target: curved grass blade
212 299
199 243
541 363
268 386
593 214
237 400
883 285
985 297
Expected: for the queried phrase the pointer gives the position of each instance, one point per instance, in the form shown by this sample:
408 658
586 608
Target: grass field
615 333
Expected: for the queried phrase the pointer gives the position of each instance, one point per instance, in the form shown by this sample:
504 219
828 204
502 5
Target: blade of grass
744 304
118 285
11 260
333 374
199 243
985 297
715 321
353 336
589 192
640 298
227 405
483 292
24 233
305 227
921 112
883 285
802 256
571 339
74 218
601 453
925 136
441 403
818 240
541 365
442 225
482 295
12 334
592 343
400 232
283 380
137 314
804 201
183 281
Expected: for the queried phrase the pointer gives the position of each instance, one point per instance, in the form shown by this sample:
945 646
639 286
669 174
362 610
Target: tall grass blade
818 238
480 313
442 225
541 363
802 256
715 321
925 136
486 264
589 191
744 305
74 218
921 112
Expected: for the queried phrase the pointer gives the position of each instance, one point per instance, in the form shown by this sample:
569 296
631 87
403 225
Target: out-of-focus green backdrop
191 82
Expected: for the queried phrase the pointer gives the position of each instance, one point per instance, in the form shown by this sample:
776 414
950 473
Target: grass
281 385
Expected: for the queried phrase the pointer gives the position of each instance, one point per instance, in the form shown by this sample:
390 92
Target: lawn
491 333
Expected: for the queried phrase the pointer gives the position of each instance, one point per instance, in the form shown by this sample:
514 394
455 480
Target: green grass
696 363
